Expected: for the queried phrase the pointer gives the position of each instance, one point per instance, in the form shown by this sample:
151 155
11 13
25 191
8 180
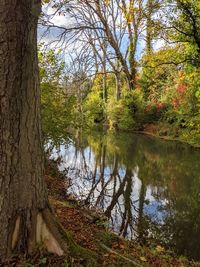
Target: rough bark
25 217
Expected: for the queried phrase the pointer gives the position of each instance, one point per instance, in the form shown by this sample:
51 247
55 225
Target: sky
69 49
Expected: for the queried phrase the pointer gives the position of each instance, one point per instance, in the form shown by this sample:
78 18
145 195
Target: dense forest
124 65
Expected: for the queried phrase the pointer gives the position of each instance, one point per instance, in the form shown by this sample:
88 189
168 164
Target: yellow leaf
143 259
159 249
107 2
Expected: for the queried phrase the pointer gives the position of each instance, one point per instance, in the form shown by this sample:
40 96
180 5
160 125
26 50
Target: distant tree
115 28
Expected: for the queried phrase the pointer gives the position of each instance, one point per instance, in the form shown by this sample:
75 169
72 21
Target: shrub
125 113
94 109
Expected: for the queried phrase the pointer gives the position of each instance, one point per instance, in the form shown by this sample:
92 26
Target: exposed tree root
15 235
45 233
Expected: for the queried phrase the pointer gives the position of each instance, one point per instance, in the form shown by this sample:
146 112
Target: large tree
26 219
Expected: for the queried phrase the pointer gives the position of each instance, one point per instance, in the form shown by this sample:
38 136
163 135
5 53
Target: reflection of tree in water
175 172
107 189
141 218
184 223
147 188
124 190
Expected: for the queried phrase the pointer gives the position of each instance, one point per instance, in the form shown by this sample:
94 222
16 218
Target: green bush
118 115
127 112
191 130
94 109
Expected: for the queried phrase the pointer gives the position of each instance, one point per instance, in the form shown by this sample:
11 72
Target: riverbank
88 229
162 131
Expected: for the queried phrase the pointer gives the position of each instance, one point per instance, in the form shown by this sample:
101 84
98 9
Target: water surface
148 188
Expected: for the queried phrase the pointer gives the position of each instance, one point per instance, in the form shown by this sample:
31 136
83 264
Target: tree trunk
149 36
25 217
118 85
105 94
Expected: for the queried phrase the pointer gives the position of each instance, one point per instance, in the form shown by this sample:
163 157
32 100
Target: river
148 188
